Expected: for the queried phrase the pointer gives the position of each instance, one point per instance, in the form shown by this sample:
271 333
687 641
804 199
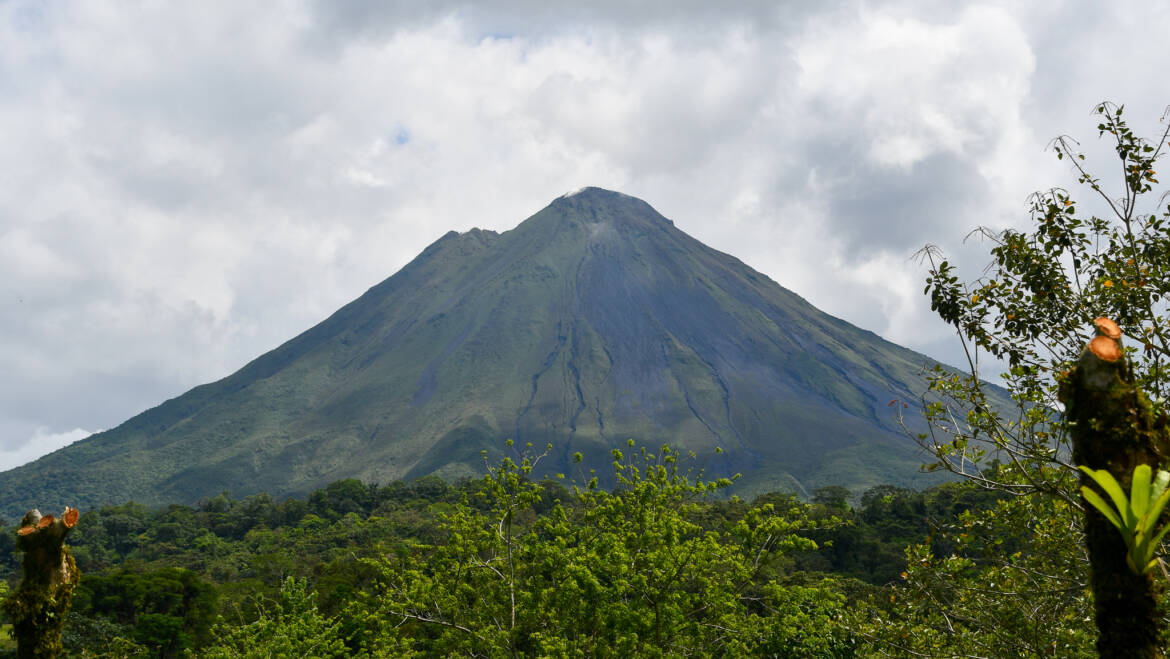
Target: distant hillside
592 322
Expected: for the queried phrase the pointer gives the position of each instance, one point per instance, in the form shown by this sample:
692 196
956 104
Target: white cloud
951 86
41 442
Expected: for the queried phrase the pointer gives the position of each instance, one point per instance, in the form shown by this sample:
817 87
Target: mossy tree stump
1114 427
38 606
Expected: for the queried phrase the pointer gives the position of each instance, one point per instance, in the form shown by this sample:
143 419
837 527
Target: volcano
593 322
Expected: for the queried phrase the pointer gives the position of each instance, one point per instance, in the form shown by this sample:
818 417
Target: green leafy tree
289 627
168 610
623 573
1009 583
1033 309
91 637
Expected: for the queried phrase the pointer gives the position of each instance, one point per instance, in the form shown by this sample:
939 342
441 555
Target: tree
168 610
290 627
1034 309
832 496
1009 583
623 573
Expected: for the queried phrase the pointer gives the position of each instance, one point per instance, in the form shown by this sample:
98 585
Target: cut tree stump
1114 427
38 606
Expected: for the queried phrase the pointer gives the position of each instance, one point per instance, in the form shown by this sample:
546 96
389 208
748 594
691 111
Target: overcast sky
184 186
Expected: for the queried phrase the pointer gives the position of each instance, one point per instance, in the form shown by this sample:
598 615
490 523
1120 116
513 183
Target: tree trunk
38 606
1114 427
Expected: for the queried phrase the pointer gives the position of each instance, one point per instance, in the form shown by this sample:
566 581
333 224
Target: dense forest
504 566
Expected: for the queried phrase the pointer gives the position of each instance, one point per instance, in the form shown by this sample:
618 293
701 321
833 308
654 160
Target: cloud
339 23
912 116
40 443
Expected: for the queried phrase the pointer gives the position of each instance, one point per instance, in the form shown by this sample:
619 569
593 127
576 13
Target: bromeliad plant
1136 516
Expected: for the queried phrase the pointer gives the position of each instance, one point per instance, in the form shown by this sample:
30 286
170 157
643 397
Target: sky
185 186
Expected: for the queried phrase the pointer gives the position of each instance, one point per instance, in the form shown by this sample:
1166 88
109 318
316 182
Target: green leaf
1155 510
1109 484
1157 540
1099 503
1139 491
1136 516
1161 482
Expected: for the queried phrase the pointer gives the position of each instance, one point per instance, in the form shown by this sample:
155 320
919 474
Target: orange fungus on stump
1106 327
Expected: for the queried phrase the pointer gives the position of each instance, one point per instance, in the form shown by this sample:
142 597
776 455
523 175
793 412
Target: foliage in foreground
1013 585
290 627
213 580
1034 309
621 574
157 581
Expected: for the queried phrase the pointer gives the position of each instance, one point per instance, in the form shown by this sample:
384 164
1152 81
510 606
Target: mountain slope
593 321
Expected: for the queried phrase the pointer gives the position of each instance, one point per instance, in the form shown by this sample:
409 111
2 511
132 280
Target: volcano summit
592 322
